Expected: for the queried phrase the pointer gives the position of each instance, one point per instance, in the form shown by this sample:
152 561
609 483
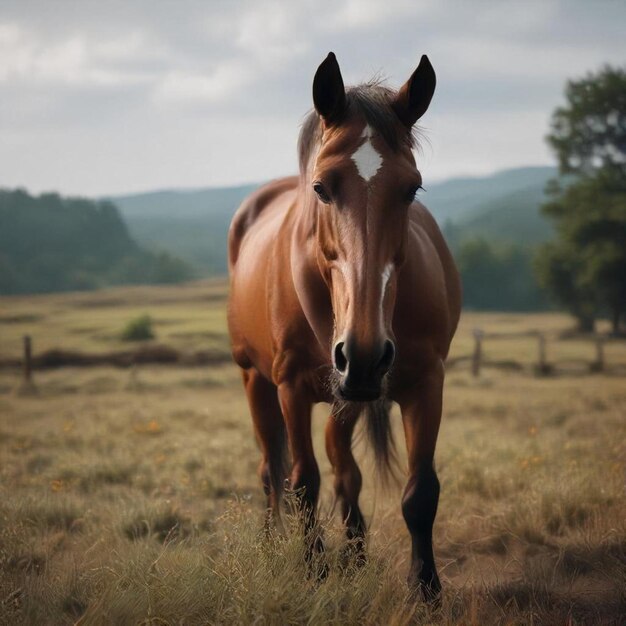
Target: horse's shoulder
422 217
252 208
426 228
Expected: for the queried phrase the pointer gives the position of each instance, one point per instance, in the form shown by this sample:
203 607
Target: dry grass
186 317
131 496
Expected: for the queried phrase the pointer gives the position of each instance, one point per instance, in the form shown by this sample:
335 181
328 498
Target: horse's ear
329 94
415 95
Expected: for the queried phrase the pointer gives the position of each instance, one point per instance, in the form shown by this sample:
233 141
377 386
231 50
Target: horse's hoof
320 572
426 590
353 554
317 567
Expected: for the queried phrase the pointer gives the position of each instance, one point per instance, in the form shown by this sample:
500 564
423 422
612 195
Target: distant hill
513 218
459 199
192 224
183 203
49 243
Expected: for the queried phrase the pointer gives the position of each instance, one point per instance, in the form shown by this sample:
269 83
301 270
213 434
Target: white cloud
266 39
482 142
216 85
365 14
154 94
518 18
495 57
76 60
271 32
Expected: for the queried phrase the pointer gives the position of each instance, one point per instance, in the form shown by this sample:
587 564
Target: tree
585 269
497 277
558 268
589 133
50 243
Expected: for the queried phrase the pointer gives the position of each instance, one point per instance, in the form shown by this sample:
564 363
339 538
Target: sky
113 97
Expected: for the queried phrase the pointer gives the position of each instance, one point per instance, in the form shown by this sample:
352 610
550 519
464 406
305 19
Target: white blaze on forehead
366 158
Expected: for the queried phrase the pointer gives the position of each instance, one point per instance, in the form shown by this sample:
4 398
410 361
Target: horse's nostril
386 360
341 362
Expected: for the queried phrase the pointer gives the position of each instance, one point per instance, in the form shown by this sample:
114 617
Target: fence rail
152 353
542 366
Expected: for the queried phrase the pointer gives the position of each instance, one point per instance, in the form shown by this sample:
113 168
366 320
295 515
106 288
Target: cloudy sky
110 97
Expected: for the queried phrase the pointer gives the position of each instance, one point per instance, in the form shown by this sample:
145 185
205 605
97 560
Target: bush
138 329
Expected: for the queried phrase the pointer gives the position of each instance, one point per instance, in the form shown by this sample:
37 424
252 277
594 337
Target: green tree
589 133
558 268
50 243
585 268
497 277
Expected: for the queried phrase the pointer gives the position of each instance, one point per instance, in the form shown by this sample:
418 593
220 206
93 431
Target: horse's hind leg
269 427
339 431
421 415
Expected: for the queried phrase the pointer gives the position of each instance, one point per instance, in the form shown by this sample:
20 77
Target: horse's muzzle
362 372
364 394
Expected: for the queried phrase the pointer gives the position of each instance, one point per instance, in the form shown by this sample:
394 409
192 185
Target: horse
343 291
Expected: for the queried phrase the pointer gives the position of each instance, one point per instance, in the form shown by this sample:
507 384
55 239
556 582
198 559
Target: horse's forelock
371 101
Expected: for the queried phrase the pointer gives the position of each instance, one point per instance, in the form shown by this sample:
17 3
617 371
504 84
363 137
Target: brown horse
344 291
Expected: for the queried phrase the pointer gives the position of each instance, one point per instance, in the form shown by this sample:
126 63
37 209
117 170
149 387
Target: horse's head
362 181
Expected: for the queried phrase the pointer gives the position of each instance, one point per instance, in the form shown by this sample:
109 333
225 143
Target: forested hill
461 200
49 243
193 224
492 223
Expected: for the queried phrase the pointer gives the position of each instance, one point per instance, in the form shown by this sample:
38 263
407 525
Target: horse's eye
412 192
318 188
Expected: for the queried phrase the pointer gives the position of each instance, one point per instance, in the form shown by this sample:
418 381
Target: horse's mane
371 100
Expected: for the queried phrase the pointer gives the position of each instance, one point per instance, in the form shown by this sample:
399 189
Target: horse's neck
310 288
302 225
304 211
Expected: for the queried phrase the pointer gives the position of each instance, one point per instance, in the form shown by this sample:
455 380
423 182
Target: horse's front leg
270 432
339 431
296 405
421 416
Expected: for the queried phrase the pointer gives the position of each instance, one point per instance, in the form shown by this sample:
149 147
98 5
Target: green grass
138 329
131 496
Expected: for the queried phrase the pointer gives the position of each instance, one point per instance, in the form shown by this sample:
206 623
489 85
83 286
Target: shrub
138 329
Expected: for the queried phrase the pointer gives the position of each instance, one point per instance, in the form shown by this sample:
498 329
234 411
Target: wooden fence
166 355
542 366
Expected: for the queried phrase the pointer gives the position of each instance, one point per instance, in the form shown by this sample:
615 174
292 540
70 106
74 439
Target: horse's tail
380 435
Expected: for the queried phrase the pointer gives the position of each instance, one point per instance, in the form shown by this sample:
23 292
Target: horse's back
251 241
263 203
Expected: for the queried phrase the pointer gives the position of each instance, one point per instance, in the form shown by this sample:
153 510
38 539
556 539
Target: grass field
130 496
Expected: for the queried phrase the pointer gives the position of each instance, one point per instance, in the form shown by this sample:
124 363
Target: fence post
542 351
543 367
598 364
478 351
26 387
28 361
